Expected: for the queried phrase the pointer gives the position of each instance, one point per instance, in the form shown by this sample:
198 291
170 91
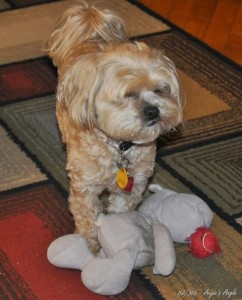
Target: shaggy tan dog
114 98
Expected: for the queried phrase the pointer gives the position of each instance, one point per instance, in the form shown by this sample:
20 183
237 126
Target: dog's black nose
151 112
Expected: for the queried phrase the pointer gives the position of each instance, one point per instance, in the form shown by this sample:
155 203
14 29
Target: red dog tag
130 184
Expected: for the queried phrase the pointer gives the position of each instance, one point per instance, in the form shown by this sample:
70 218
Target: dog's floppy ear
77 90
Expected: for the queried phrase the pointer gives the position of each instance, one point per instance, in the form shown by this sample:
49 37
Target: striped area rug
204 158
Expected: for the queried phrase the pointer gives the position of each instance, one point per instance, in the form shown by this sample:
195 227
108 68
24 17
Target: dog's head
128 91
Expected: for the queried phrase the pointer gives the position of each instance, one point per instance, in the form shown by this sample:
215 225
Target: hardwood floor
218 23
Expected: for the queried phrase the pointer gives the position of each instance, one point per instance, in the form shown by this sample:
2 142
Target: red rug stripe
25 239
27 79
30 220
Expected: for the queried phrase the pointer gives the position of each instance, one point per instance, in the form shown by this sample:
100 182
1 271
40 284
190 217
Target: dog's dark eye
162 90
131 95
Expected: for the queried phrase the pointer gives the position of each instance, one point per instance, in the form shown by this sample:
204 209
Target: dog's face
128 91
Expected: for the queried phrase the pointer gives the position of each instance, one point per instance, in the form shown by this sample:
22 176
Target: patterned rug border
35 205
212 140
20 288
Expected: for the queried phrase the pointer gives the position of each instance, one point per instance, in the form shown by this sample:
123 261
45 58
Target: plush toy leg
69 251
165 257
109 276
154 188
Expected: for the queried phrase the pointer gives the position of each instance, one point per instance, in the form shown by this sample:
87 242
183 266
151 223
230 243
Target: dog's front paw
94 246
92 242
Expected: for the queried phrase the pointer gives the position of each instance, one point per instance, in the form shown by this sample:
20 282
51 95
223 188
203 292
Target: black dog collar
124 146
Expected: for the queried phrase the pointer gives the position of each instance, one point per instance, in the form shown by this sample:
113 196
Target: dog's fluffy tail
83 24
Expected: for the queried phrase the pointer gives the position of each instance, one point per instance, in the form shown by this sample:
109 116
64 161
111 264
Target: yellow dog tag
122 178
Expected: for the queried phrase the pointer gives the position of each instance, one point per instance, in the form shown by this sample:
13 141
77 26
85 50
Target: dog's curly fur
110 90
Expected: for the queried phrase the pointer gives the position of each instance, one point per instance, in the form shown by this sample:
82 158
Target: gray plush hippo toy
132 240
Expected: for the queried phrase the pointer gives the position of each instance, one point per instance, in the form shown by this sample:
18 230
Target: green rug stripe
34 124
204 167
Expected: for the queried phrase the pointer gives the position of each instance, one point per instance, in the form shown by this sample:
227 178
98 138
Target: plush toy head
181 213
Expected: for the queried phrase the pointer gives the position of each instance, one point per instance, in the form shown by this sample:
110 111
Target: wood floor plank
237 25
233 46
218 23
200 17
221 23
161 7
181 11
